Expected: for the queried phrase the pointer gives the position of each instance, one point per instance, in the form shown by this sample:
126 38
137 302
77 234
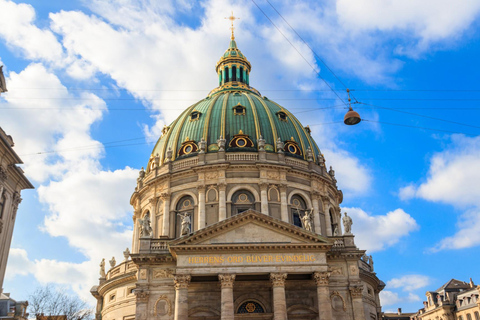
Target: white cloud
376 233
429 20
18 29
453 179
409 282
18 263
389 298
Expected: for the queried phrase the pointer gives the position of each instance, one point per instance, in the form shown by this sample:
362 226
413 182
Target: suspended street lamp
351 117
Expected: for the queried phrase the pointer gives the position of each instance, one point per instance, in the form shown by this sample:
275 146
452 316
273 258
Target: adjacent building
235 217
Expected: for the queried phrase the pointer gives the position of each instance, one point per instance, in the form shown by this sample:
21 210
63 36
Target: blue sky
91 83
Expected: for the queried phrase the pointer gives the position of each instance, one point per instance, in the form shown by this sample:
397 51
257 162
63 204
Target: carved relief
356 291
274 175
226 280
142 295
278 279
163 306
3 174
211 175
163 273
142 274
338 303
337 271
353 269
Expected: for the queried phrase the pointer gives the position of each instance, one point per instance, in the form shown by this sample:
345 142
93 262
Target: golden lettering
251 259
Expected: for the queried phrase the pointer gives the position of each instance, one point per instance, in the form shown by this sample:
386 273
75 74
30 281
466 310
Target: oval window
241 142
188 149
292 149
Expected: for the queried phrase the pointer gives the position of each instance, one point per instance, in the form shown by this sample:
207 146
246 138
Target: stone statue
156 160
203 145
186 229
126 254
280 145
331 172
309 155
102 268
365 258
307 220
321 160
112 262
221 143
370 262
141 173
261 143
169 154
145 227
347 224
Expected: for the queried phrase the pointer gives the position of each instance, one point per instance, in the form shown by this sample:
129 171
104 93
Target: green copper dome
237 116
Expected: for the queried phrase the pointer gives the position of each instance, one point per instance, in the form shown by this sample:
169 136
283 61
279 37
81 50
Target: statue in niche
102 268
307 220
347 224
280 145
186 222
203 145
145 226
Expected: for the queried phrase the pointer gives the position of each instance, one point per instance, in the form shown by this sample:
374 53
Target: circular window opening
292 149
241 142
188 149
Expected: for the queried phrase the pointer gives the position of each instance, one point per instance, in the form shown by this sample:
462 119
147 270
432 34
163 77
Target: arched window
227 75
469 316
250 307
460 318
298 207
333 222
241 74
477 316
242 200
184 213
234 73
3 200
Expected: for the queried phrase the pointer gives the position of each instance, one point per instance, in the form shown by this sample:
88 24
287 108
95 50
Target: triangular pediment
251 227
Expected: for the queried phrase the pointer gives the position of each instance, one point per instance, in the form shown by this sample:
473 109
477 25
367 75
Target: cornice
128 277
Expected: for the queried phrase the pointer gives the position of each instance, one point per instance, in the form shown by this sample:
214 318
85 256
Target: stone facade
12 182
455 300
241 225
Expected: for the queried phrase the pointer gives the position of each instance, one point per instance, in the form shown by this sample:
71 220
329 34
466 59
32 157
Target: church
237 217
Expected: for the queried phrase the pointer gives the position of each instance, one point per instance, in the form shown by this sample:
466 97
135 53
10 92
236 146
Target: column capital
181 281
3 174
316 195
278 279
201 188
283 187
321 278
152 200
356 291
263 185
141 295
226 280
222 186
164 196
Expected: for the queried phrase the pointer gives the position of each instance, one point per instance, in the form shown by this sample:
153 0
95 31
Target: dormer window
239 110
282 116
195 115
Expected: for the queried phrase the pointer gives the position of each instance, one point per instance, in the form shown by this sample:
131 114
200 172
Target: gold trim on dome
255 116
272 124
177 136
169 133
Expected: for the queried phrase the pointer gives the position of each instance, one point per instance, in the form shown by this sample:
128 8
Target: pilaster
181 296
279 301
323 294
226 283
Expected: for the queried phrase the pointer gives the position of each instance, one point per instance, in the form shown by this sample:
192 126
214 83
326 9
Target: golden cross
232 18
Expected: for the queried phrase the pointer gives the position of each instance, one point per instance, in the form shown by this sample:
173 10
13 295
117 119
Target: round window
188 149
243 197
241 142
186 203
292 149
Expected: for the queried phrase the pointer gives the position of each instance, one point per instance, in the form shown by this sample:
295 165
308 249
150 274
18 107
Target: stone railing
242 157
122 268
338 244
181 164
159 246
296 163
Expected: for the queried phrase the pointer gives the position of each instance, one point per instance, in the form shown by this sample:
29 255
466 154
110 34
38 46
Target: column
356 292
226 282
222 202
201 207
283 203
264 198
166 213
181 296
323 295
279 302
316 213
153 216
326 207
